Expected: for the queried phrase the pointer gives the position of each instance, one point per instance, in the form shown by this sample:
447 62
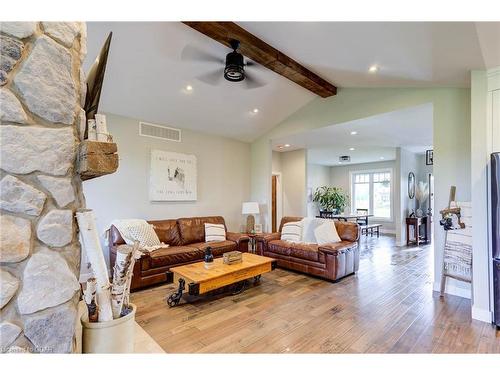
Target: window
372 191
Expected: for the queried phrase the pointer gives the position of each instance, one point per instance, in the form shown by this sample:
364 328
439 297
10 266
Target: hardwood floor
387 307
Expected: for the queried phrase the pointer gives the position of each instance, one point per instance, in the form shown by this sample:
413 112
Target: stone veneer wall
42 91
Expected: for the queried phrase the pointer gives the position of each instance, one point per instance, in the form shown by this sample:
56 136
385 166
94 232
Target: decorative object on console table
96 159
258 228
173 176
250 208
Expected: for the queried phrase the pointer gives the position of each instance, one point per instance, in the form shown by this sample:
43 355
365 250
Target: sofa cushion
326 233
192 229
174 255
347 231
338 247
279 247
215 232
218 248
167 231
306 251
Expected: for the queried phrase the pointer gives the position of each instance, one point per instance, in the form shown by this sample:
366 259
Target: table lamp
250 208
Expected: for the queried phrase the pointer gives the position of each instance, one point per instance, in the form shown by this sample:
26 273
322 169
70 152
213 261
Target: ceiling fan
233 69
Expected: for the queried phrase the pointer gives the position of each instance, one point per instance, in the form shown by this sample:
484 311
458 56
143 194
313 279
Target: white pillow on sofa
292 231
215 232
326 233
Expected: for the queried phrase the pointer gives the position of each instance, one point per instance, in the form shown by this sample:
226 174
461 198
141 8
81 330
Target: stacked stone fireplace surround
42 91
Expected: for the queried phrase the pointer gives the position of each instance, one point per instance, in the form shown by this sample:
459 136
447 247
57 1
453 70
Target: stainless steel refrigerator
495 232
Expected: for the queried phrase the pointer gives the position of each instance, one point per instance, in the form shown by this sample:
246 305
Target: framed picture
429 157
173 176
258 228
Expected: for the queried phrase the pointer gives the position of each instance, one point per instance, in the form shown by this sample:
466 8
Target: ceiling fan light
234 73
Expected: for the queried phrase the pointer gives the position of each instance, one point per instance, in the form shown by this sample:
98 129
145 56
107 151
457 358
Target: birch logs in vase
92 246
122 275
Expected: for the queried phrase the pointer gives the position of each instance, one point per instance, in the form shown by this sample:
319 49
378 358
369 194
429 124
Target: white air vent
159 131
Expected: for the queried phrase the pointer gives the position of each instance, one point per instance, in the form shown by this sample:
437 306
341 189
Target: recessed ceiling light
340 162
286 145
382 158
373 69
255 110
352 149
354 132
189 88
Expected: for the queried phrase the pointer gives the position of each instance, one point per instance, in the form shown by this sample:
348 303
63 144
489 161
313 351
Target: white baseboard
482 314
453 290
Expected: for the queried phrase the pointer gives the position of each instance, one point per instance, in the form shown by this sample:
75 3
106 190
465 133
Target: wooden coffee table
200 280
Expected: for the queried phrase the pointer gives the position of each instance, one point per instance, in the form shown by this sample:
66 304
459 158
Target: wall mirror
411 185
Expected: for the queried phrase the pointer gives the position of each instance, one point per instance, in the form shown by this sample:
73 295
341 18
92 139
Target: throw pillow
309 225
215 232
326 233
145 234
292 231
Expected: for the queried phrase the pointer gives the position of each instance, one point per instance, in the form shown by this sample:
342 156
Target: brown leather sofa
333 261
186 240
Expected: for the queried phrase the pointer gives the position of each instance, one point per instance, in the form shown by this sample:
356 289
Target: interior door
274 210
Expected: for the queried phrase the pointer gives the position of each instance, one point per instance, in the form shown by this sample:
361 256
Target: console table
416 223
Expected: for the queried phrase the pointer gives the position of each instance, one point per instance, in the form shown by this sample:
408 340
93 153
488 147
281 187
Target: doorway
276 201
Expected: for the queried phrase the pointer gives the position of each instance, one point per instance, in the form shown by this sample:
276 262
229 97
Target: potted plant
330 199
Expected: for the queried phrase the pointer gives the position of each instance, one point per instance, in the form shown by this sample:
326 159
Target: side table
416 223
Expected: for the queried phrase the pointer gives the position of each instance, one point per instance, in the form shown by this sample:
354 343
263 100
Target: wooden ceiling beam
261 52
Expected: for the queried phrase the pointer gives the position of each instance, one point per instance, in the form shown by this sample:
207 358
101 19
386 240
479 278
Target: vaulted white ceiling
146 78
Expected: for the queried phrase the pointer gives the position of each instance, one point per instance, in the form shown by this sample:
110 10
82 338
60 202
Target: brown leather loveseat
186 240
332 261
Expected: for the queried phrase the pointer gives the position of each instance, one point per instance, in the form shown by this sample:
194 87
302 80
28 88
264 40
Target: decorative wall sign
173 176
429 157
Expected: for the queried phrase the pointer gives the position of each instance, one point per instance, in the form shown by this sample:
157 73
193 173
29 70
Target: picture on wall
173 176
429 157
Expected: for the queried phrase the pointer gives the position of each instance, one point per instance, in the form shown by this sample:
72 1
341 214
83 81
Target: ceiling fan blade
192 53
252 82
212 78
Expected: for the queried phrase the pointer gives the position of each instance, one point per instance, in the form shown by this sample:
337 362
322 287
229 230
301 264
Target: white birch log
136 254
120 271
90 298
93 250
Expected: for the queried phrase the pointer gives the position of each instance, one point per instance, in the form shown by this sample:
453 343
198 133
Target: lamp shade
250 208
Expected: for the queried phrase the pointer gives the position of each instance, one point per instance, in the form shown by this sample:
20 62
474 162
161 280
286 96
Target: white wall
293 168
407 163
340 177
317 176
484 140
223 177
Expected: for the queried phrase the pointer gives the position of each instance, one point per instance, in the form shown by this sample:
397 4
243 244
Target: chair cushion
218 248
192 229
167 231
279 247
305 251
174 255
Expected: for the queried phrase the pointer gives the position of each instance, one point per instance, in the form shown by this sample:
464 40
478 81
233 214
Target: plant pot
115 336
